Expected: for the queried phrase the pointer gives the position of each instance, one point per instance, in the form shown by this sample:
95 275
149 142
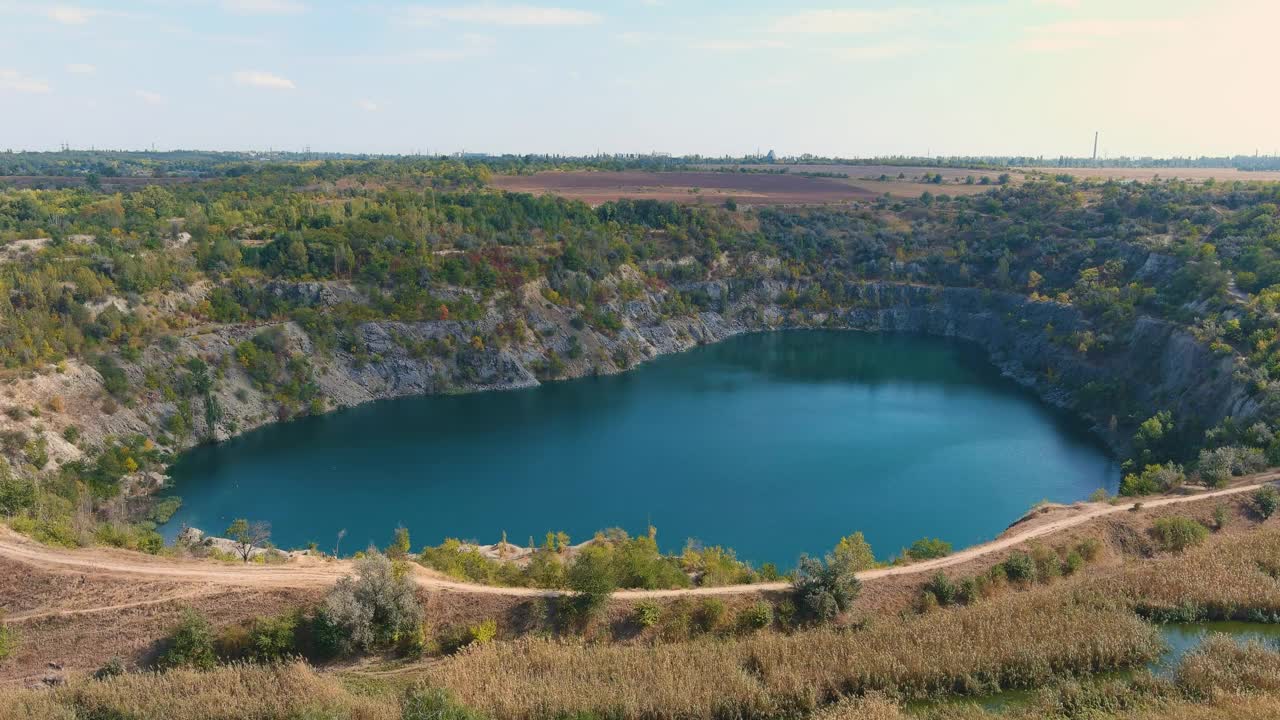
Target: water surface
772 444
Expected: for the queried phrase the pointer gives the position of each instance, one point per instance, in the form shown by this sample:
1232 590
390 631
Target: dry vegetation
1020 640
232 693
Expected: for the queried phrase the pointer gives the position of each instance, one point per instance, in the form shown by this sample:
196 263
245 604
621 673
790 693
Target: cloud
15 81
1074 34
148 97
264 7
878 52
367 105
472 45
260 79
633 37
503 15
81 69
844 21
68 15
735 45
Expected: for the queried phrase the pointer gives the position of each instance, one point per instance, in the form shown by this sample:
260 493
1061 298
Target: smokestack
1095 146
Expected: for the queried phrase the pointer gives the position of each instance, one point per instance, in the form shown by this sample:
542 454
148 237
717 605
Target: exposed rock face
1159 365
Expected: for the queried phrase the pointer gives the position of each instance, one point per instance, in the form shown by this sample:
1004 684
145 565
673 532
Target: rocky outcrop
1157 366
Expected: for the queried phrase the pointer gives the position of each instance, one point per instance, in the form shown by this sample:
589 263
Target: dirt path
319 573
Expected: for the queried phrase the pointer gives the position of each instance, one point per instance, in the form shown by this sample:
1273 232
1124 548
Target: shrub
1072 563
274 638
190 644
710 615
823 589
1153 479
1046 561
928 548
374 608
1177 533
1019 567
942 589
1220 517
111 668
646 614
1217 466
1089 549
8 639
435 704
483 632
16 494
591 578
756 616
1265 501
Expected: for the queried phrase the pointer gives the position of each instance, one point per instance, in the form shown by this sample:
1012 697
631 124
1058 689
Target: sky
714 77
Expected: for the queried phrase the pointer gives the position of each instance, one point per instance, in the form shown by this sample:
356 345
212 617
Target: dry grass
1019 641
230 693
1236 577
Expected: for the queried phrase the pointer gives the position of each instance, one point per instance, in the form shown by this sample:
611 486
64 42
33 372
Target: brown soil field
1222 174
596 187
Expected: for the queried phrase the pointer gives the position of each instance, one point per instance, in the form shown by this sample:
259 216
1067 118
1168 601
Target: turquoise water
772 444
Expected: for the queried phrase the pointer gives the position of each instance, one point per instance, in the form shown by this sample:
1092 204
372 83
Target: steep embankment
523 338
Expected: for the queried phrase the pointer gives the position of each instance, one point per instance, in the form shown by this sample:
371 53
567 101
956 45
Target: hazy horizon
1181 78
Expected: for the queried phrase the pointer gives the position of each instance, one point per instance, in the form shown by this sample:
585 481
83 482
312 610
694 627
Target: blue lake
772 444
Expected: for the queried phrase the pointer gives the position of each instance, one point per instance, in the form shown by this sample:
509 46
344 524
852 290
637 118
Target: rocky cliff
1157 366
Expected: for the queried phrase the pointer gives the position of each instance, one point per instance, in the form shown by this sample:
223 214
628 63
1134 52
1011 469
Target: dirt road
316 572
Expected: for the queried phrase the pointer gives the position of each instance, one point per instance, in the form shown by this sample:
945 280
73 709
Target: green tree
928 548
248 536
854 552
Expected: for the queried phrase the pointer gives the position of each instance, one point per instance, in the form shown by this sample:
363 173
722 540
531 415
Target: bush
16 494
1265 501
1153 479
928 548
1072 563
646 614
1089 549
483 632
274 638
374 608
111 668
710 615
756 617
592 580
823 589
1220 517
435 704
1048 566
1217 466
1019 567
943 590
1177 533
8 639
190 644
